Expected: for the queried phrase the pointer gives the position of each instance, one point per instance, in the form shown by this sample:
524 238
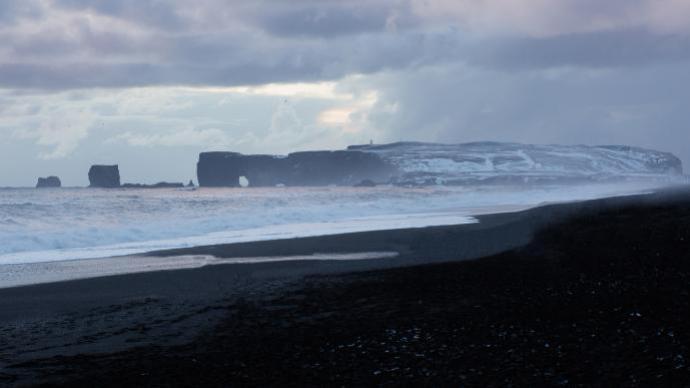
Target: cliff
312 168
413 163
514 163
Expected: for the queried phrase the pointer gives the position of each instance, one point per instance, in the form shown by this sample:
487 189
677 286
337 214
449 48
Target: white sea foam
68 224
14 275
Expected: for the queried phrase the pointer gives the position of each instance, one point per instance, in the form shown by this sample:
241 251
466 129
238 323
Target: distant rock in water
313 168
191 183
424 164
51 181
159 185
366 183
104 176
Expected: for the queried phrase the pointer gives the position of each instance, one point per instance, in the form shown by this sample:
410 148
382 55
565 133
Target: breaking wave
50 225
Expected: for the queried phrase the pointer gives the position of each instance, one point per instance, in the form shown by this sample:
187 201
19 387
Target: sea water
44 225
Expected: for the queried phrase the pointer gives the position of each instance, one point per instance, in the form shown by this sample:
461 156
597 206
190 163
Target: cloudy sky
150 83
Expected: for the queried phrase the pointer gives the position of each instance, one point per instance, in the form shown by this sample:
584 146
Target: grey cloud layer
566 71
620 48
67 44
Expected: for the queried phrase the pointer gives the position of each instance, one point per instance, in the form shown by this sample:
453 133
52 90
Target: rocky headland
313 168
419 164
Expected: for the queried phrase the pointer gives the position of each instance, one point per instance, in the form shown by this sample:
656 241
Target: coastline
51 226
174 308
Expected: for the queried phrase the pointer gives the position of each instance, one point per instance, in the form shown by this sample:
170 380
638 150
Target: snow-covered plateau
492 162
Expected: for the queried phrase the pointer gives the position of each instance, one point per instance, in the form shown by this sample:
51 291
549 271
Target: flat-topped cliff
312 168
494 162
413 163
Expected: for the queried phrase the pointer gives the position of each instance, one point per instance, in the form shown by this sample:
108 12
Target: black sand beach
582 294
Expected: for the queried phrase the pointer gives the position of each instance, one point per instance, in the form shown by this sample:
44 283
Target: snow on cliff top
486 161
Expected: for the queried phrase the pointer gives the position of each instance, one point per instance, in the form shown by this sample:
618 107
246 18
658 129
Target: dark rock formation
191 183
313 168
51 181
218 169
104 176
159 185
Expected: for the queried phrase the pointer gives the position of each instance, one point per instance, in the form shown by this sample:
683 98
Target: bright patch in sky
273 118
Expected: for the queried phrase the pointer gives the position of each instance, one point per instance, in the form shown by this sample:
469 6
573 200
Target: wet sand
598 296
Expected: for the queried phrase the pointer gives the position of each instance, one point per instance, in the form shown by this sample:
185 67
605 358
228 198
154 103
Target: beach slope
590 293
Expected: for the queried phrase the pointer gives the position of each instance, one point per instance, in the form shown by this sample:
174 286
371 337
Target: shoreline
167 309
226 216
42 272
492 234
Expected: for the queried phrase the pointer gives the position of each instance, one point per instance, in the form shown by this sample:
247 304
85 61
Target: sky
148 84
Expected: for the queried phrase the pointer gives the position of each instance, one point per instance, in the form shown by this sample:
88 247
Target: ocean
50 225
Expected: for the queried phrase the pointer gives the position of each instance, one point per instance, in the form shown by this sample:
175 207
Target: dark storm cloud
11 10
166 43
628 47
321 18
67 44
154 13
326 20
321 21
211 59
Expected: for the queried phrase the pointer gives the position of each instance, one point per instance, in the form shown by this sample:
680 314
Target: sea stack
104 176
49 182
